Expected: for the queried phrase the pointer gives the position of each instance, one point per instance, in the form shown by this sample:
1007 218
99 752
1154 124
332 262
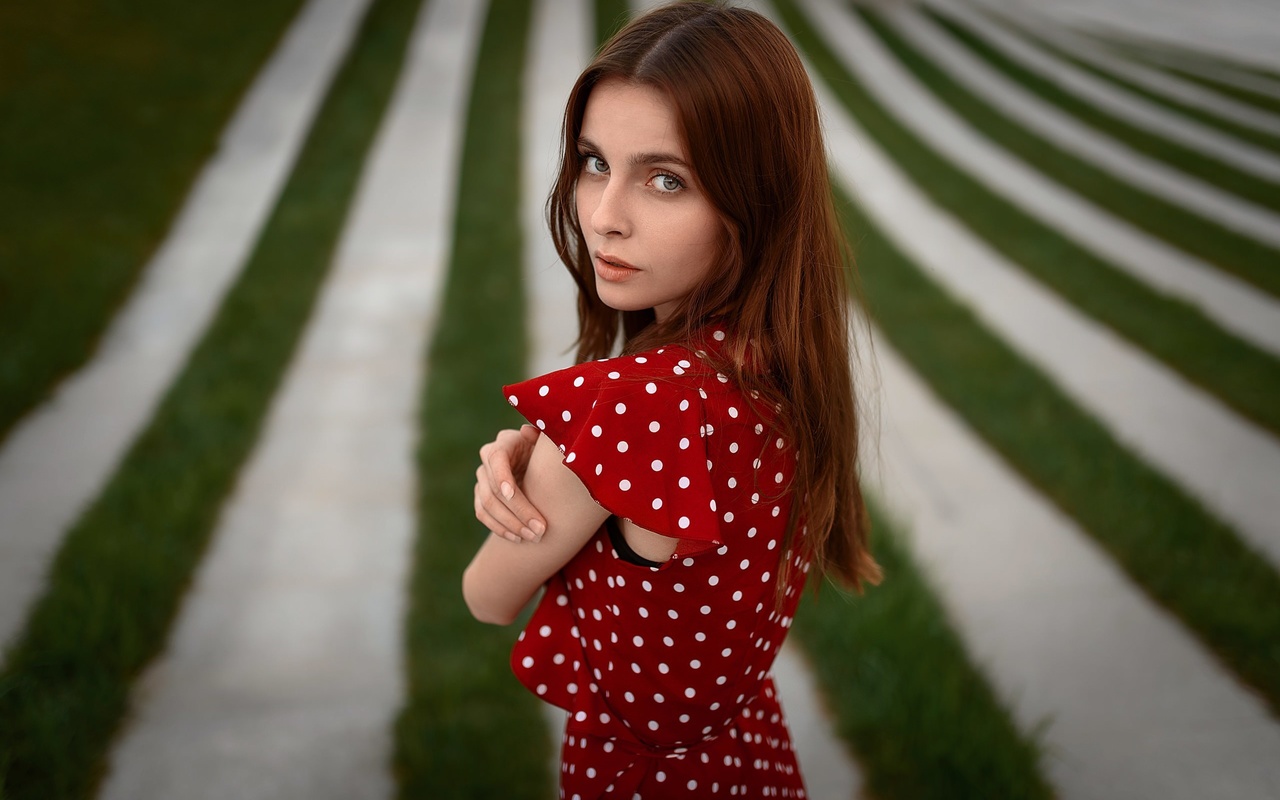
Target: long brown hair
751 129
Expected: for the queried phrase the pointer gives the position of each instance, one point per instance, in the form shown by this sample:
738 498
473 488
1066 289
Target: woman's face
651 233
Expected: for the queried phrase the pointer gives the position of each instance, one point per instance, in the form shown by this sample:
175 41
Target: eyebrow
641 159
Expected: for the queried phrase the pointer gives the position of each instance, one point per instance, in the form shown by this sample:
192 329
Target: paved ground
282 674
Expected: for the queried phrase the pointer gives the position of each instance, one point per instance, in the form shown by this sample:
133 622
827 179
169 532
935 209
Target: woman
687 486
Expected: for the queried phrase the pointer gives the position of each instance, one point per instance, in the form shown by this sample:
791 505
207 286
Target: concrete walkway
1162 83
1113 100
1072 136
58 459
1230 302
1227 463
283 672
1134 707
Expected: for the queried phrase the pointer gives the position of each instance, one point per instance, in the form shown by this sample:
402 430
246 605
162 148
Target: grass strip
1263 102
1242 375
1226 249
469 728
1184 558
119 577
1207 118
610 16
906 695
107 113
1185 159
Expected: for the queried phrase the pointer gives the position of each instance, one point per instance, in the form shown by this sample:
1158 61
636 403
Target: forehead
631 119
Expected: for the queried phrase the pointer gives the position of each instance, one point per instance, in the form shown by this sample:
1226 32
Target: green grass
119 577
610 16
1244 133
1180 555
1174 331
1184 159
905 693
1226 249
470 729
92 165
1262 102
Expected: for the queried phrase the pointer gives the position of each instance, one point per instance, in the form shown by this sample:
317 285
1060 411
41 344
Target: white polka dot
621 408
658 698
566 416
737 595
613 376
671 612
544 631
656 465
599 468
657 503
764 577
572 456
622 447
778 478
624 484
713 580
776 511
719 337
641 360
692 785
637 641
596 430
684 483
542 426
679 587
542 390
663 668
684 443
653 726
728 516
648 587
527 662
733 448
513 400
733 412
651 387
755 497
705 609
677 370
684 405
745 563
700 636
578 381
542 688
683 522
668 641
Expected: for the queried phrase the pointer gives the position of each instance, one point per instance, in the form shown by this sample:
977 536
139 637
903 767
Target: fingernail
507 491
537 527
527 534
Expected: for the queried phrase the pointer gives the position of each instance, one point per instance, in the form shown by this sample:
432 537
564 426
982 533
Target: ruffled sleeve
633 430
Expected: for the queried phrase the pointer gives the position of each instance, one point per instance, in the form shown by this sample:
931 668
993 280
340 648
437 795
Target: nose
610 216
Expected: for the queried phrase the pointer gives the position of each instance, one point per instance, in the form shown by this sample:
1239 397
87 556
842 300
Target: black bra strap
624 550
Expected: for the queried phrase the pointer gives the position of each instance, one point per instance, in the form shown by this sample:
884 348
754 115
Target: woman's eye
595 165
667 183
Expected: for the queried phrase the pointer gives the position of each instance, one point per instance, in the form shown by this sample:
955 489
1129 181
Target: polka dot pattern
664 670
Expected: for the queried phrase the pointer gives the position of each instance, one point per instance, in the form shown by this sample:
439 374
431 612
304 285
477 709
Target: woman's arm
504 575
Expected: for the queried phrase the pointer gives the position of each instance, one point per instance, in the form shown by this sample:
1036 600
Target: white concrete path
1231 303
57 460
1111 99
1227 463
1135 708
1241 31
1072 136
1174 88
1221 73
283 672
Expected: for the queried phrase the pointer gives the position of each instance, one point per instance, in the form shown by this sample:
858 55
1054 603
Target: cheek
585 199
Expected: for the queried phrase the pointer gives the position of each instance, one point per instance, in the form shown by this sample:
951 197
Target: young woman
687 486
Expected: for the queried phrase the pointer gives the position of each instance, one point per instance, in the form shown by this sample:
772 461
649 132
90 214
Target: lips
612 268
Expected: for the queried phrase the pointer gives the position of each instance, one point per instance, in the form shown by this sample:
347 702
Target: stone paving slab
1230 302
1184 91
282 676
60 456
1227 463
1125 163
1114 100
1134 707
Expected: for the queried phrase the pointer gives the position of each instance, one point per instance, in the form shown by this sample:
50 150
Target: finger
497 517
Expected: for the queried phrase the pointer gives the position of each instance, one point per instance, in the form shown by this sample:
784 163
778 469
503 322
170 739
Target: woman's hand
500 503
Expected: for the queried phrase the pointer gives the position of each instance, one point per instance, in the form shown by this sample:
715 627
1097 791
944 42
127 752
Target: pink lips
610 268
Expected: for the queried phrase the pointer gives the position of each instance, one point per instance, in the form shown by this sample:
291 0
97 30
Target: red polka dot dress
664 670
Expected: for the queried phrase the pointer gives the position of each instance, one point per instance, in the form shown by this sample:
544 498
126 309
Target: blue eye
667 184
595 165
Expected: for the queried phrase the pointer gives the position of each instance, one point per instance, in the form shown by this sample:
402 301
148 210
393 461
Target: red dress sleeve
633 430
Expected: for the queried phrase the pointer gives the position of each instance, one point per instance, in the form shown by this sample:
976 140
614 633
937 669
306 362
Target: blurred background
264 268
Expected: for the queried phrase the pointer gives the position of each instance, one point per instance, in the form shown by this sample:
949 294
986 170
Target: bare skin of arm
505 574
